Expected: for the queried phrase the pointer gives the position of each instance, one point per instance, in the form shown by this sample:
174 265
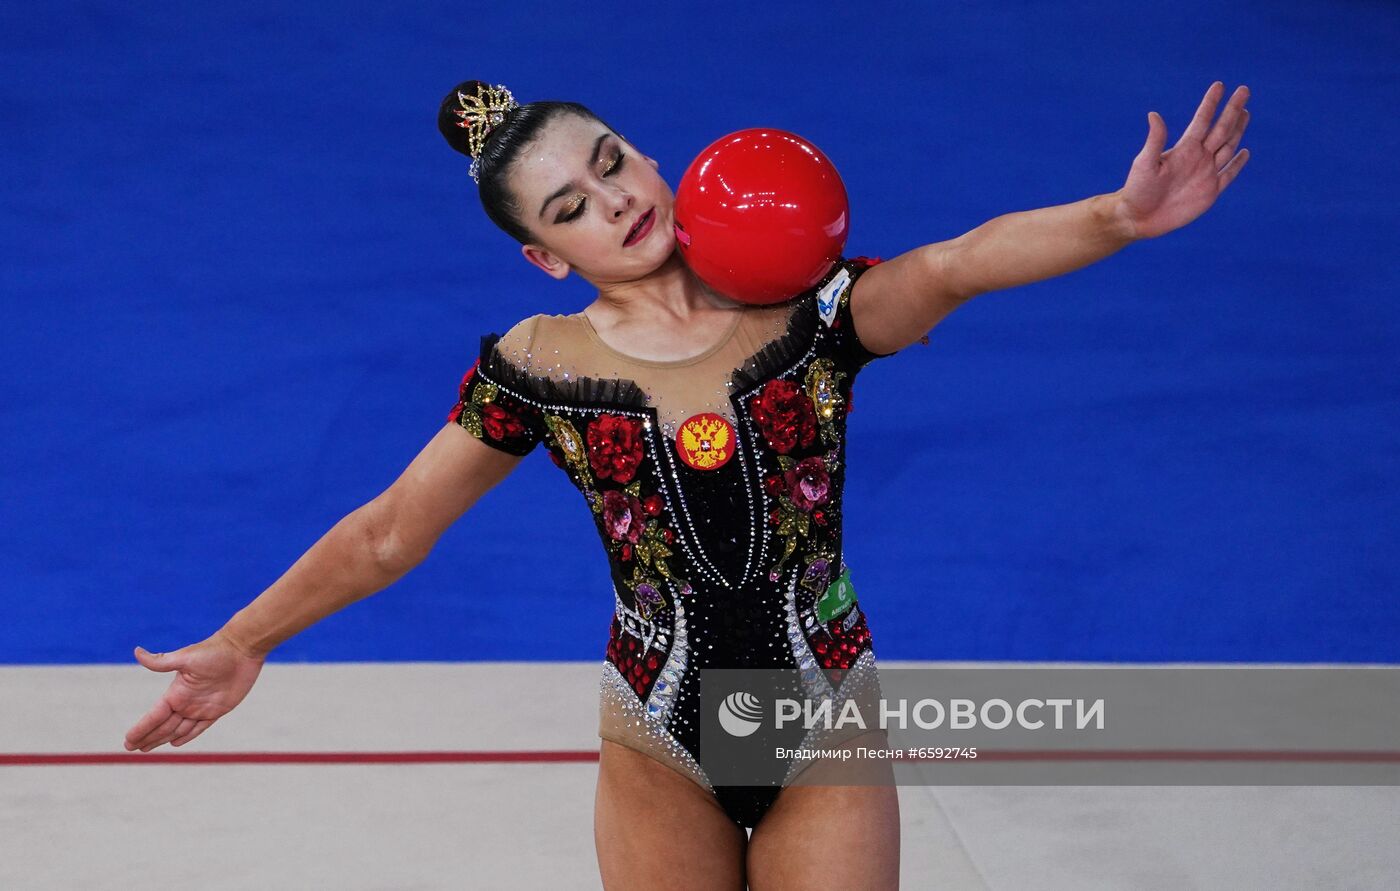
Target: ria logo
740 713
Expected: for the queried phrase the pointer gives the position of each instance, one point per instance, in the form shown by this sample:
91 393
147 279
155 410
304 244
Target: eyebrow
571 185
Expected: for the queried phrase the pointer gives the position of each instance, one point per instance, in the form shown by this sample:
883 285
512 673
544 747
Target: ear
538 256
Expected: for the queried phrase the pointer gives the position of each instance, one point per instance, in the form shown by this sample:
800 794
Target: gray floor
431 826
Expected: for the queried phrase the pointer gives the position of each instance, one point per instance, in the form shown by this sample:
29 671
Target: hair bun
470 112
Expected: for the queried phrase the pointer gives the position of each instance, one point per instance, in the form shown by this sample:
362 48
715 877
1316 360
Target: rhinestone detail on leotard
687 594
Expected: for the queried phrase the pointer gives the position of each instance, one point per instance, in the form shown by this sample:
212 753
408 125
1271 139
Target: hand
1167 190
214 676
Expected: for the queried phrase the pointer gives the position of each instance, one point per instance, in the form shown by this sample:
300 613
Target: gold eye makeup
575 210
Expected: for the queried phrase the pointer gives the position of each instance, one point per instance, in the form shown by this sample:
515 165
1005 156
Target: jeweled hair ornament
480 113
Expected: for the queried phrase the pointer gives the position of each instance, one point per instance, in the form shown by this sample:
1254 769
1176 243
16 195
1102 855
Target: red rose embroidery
622 516
785 416
500 424
615 447
808 483
775 485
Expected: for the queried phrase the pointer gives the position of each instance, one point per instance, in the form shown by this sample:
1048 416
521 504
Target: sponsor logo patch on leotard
705 441
838 598
829 297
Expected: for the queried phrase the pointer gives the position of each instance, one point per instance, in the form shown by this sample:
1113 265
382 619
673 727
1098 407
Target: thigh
654 827
827 836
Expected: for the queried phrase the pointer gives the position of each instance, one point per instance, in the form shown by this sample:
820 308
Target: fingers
1196 130
174 729
198 728
160 734
1231 170
185 727
1230 123
1228 149
1156 138
156 661
149 722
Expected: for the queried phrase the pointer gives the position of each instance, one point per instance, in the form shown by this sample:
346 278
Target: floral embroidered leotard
715 483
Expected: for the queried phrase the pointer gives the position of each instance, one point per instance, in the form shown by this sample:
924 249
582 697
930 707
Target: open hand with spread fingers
212 677
1165 190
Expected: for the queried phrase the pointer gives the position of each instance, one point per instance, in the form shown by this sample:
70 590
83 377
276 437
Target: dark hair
503 145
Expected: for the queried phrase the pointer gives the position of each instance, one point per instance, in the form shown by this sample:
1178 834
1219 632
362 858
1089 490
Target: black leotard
725 542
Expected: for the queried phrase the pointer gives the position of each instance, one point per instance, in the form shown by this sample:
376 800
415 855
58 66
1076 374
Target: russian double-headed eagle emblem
705 441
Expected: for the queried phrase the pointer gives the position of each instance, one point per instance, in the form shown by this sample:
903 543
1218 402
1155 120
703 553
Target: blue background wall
243 275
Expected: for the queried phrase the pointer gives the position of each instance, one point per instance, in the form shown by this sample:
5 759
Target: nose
621 202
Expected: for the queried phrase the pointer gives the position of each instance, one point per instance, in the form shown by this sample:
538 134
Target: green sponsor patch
838 598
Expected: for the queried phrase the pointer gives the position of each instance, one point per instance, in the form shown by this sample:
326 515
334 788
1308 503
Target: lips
642 224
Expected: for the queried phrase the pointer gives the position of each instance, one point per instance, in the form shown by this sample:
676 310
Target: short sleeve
834 309
492 404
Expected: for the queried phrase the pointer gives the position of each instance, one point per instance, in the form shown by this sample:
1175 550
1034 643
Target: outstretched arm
896 302
365 552
376 544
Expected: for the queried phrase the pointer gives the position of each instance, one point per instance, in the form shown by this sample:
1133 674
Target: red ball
761 215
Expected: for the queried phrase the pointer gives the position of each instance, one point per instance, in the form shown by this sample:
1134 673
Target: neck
672 289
